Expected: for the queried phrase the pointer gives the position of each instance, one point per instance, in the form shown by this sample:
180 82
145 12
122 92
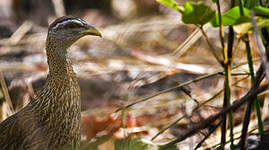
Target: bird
52 119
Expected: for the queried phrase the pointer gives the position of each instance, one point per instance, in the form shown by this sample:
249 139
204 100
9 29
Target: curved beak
91 30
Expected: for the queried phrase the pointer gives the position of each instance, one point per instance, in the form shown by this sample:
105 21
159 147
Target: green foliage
214 1
238 17
94 147
131 144
171 4
200 14
242 24
170 147
197 13
260 9
232 17
247 27
192 13
267 3
261 22
251 3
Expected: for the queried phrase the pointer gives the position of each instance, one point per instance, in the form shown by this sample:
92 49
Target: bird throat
59 100
61 77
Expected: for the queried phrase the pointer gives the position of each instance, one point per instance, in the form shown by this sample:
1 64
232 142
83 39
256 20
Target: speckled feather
52 120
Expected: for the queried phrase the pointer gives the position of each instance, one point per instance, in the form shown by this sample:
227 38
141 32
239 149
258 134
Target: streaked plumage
52 120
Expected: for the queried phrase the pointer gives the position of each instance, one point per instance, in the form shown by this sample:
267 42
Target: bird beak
91 31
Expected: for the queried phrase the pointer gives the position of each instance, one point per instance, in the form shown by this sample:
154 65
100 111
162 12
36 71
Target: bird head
67 30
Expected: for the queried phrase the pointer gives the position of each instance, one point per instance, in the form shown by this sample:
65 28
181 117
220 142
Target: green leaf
232 17
247 27
196 13
171 4
260 9
131 144
214 1
251 3
170 147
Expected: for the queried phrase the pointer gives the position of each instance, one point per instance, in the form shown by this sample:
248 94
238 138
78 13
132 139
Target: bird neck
58 103
60 66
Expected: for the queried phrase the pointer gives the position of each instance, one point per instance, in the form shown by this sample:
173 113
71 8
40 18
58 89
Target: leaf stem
211 48
250 103
227 83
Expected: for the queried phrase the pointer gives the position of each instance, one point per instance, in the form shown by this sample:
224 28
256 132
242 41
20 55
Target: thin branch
211 48
248 112
194 109
207 135
227 83
5 92
256 102
179 86
183 47
261 14
197 127
261 48
59 7
168 90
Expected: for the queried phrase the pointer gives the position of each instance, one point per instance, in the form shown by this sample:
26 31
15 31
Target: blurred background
145 50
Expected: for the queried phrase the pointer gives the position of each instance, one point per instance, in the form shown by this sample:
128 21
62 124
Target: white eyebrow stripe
65 22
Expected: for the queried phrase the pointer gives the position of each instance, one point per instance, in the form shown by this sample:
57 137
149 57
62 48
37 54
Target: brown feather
52 120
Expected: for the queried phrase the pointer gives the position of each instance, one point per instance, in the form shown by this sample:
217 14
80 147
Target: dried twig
253 92
207 135
261 48
183 47
5 92
59 7
197 127
17 35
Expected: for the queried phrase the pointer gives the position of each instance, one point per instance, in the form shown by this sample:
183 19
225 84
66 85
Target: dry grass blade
197 127
20 32
167 90
159 60
124 32
195 109
17 35
179 86
261 48
59 7
207 135
5 92
196 35
265 110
